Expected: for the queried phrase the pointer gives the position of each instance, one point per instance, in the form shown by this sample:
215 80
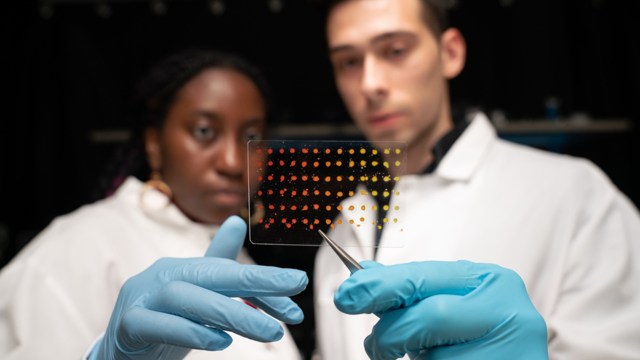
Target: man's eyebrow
377 39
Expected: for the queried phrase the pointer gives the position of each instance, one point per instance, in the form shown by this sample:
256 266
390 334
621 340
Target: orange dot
282 207
271 206
305 150
361 219
293 207
270 177
270 151
294 178
327 164
339 207
281 151
305 192
281 162
327 193
316 178
294 221
259 192
281 178
305 207
338 163
340 151
316 221
316 206
316 192
363 207
303 164
351 207
259 177
327 221
339 221
327 179
304 177
292 163
292 150
288 225
315 150
328 207
340 194
270 192
270 163
305 221
316 164
293 193
327 151
351 221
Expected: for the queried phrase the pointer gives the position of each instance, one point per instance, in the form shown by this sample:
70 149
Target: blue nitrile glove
181 304
445 310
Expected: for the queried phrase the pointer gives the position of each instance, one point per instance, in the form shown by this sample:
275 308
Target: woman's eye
203 133
253 136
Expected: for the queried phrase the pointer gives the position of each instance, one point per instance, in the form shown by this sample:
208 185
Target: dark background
67 74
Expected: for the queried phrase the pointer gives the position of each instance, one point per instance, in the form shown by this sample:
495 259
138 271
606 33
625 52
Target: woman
58 294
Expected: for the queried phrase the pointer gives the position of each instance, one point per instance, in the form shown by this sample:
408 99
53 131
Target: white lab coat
57 295
556 220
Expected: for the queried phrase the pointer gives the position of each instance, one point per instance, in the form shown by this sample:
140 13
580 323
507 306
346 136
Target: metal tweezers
351 264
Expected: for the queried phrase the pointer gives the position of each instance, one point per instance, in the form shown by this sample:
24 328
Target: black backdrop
67 74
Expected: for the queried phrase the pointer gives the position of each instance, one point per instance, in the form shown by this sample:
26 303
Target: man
556 221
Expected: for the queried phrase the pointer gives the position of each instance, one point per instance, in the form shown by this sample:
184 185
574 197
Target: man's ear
152 148
453 52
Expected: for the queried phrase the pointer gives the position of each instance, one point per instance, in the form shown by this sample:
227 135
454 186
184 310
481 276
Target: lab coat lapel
466 154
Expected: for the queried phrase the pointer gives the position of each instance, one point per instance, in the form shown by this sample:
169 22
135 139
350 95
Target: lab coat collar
466 154
158 207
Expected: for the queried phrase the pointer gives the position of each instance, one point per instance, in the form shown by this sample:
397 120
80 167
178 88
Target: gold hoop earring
155 182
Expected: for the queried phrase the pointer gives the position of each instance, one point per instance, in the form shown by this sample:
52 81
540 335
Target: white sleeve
598 312
90 349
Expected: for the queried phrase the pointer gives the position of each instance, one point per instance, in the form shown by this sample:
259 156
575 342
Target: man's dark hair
434 13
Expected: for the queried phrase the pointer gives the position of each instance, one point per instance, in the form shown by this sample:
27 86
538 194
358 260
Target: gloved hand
445 310
180 304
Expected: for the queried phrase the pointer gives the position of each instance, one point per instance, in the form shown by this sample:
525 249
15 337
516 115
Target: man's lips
383 118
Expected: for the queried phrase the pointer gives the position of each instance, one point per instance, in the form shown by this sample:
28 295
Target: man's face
388 69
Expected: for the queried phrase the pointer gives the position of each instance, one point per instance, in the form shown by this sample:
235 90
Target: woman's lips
230 197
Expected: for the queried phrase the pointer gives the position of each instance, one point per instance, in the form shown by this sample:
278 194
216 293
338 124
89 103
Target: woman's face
201 151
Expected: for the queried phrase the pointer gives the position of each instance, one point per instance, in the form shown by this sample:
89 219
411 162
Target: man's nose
374 80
